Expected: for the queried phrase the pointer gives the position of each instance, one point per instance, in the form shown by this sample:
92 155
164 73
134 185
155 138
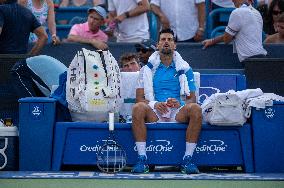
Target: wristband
152 104
201 29
127 14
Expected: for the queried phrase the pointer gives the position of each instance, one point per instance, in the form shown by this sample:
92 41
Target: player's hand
55 40
120 18
206 43
198 36
165 22
173 103
161 107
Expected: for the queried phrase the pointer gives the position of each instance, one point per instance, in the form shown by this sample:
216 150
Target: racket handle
111 121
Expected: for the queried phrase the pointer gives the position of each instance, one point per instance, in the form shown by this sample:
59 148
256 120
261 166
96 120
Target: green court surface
101 183
91 179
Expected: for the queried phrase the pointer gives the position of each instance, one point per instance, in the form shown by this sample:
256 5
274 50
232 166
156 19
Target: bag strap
104 63
85 67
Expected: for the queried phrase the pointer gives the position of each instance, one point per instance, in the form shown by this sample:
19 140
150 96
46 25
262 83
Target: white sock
190 147
141 148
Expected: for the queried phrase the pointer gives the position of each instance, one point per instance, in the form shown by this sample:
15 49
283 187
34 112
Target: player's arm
162 17
226 38
191 98
191 86
41 41
143 6
201 21
94 42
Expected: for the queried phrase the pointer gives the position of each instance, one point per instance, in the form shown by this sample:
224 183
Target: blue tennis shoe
187 167
141 166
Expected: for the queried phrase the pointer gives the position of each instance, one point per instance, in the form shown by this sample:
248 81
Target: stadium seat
153 26
217 31
63 30
218 17
67 13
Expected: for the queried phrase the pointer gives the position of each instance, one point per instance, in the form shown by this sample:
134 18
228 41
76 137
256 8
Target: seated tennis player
169 90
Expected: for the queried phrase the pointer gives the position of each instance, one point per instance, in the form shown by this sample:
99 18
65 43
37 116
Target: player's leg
141 113
191 114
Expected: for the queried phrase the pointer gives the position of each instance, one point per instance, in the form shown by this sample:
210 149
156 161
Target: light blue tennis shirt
166 83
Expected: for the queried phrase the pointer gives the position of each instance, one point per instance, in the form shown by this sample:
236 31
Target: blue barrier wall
217 57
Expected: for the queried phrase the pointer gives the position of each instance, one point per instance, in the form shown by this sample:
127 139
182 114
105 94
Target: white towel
148 74
261 102
249 93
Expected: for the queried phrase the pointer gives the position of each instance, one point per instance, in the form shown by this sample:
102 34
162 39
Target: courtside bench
47 145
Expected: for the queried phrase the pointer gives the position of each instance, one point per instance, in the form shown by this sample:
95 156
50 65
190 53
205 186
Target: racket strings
111 158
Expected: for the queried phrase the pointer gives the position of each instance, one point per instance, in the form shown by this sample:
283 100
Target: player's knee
138 109
195 111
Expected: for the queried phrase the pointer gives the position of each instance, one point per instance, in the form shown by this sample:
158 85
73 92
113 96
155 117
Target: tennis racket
111 158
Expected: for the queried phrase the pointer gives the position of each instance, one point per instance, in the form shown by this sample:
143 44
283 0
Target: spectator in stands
245 30
129 62
275 9
89 32
16 23
145 49
130 18
44 12
81 3
166 103
277 37
186 18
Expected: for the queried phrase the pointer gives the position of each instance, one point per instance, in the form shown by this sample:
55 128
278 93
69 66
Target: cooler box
37 118
9 144
268 138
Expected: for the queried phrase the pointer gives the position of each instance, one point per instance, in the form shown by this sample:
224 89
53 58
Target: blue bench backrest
215 83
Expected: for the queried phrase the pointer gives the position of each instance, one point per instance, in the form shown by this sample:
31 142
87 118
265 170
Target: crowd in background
176 15
171 14
112 20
